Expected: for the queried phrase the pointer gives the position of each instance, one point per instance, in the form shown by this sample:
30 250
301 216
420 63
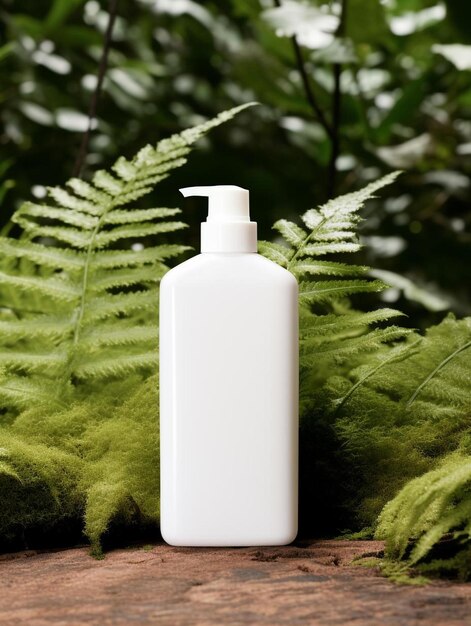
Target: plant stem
83 150
336 103
310 95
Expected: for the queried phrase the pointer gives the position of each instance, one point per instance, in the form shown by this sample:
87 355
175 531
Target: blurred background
348 90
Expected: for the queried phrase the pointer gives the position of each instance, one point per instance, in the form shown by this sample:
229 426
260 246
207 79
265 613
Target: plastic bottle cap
228 227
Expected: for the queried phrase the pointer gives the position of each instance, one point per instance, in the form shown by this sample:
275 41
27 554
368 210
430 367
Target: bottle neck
228 236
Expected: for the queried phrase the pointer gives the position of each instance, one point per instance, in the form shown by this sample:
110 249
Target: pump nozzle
227 203
228 227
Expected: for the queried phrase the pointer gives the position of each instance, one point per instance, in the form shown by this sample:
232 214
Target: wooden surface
312 583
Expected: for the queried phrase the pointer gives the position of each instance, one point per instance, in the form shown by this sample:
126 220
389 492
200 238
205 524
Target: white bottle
228 387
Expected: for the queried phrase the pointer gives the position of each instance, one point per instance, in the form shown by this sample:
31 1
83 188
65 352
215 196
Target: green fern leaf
136 231
349 347
119 365
88 191
110 259
322 291
74 237
328 268
21 392
45 256
416 454
275 252
443 363
56 289
131 216
427 508
38 327
112 305
330 331
395 354
49 363
293 234
71 217
85 281
69 201
319 249
127 278
109 183
336 324
120 336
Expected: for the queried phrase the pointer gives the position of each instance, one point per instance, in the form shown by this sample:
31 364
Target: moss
99 459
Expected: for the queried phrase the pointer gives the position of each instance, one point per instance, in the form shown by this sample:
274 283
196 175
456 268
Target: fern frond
331 228
68 201
118 366
50 363
131 216
107 182
328 338
139 190
88 191
335 324
347 347
344 207
57 289
335 247
414 454
127 277
110 306
85 281
442 357
136 231
110 259
328 268
71 217
292 233
275 252
72 236
45 256
120 337
427 508
458 515
396 353
444 362
38 327
21 392
322 291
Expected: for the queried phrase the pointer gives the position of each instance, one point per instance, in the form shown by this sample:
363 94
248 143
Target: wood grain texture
312 583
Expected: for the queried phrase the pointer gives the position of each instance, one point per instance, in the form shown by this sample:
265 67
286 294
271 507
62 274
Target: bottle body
229 402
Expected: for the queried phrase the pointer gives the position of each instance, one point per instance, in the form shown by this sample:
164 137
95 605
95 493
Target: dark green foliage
381 405
78 324
78 329
405 409
427 509
402 104
402 425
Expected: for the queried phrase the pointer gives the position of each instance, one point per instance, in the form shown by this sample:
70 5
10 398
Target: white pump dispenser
228 227
228 387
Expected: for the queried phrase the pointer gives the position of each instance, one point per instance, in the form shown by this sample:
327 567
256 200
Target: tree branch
310 96
83 150
336 102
